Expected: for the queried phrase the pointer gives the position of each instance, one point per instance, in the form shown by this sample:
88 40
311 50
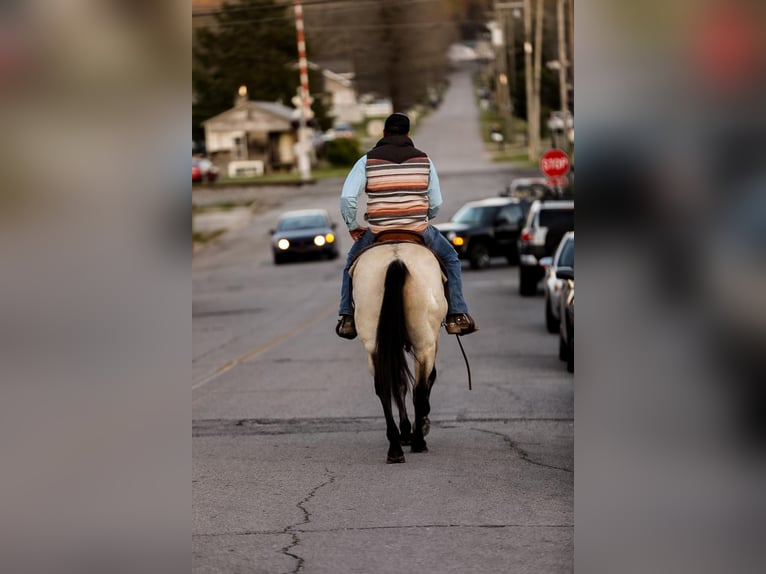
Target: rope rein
467 366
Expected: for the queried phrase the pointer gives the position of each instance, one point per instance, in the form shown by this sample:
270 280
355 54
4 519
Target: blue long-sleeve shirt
356 181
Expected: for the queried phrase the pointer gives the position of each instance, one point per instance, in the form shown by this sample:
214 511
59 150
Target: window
566 257
557 218
512 213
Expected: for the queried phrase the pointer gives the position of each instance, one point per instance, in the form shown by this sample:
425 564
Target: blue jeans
434 241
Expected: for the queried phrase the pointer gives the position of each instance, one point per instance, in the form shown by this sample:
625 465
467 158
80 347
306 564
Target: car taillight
526 235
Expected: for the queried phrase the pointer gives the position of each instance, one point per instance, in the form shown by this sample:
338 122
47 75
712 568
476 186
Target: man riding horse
403 194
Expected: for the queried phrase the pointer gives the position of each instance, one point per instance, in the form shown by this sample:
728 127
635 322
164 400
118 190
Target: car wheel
551 323
279 259
570 355
527 281
479 256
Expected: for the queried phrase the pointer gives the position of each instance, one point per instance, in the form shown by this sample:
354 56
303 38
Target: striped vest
397 194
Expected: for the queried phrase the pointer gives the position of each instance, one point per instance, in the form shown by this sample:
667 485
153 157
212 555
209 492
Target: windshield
472 215
566 259
304 222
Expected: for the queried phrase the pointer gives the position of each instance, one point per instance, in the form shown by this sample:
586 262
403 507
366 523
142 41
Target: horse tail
389 360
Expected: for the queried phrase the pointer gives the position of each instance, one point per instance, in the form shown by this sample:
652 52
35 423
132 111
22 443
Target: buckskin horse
398 291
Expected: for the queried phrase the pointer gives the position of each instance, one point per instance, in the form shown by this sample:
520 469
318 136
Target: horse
399 307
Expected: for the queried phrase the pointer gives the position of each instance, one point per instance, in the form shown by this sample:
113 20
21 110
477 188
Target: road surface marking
260 350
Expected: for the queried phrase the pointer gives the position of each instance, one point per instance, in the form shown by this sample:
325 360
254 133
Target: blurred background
670 396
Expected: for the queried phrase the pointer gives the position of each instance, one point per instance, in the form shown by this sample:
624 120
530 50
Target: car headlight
330 238
283 244
319 240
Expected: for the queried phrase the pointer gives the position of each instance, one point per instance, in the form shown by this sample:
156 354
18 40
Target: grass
201 238
292 178
223 206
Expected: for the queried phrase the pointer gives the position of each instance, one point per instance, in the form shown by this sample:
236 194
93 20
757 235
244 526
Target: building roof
276 108
279 112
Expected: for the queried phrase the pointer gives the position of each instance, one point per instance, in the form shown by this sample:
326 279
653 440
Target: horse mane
392 340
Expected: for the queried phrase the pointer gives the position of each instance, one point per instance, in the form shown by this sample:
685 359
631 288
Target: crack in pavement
256 427
522 454
293 529
296 530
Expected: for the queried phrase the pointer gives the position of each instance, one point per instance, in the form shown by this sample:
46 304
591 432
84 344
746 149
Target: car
566 312
728 267
339 131
546 224
560 121
552 286
485 228
530 188
203 170
302 234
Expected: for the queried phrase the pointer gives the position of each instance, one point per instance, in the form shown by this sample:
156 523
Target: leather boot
345 327
460 324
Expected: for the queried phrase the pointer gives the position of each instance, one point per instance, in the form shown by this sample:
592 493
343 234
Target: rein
467 366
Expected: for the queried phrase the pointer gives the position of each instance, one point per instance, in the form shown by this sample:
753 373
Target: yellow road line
260 350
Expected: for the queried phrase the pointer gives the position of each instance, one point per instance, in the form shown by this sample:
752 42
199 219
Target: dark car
546 224
566 328
302 234
486 228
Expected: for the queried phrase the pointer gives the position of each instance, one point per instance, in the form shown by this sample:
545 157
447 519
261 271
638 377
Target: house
343 101
252 131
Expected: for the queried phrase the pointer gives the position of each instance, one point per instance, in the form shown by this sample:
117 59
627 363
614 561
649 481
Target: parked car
560 121
552 286
546 224
484 229
203 170
339 131
566 311
529 188
728 266
304 233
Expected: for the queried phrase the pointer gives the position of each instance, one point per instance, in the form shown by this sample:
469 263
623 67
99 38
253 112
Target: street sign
554 163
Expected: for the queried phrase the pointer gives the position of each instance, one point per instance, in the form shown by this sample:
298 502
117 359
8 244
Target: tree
398 48
252 43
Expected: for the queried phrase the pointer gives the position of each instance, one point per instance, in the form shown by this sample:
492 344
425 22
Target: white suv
546 224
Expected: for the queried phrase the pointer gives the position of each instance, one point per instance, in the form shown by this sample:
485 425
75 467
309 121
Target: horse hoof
395 459
419 447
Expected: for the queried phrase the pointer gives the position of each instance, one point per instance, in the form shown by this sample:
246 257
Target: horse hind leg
395 452
421 398
426 420
405 428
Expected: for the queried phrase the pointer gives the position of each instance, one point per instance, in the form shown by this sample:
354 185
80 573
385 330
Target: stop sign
554 163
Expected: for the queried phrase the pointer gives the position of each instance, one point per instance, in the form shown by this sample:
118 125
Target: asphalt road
289 444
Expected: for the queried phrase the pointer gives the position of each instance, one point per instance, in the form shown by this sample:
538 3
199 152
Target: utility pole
563 67
304 143
571 37
532 77
504 13
539 12
501 72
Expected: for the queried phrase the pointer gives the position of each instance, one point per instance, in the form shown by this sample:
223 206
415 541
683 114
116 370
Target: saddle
403 236
399 236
